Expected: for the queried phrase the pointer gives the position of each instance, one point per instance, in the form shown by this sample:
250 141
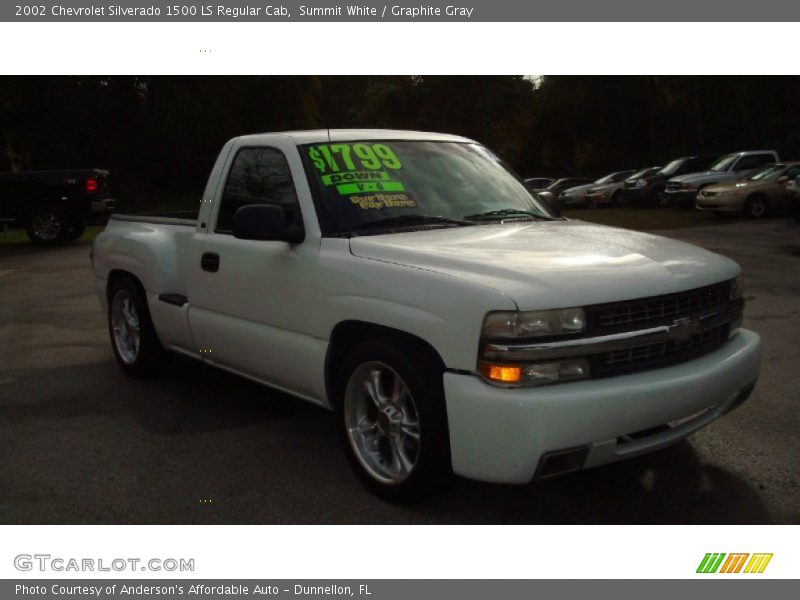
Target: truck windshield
724 163
606 178
378 185
769 173
672 167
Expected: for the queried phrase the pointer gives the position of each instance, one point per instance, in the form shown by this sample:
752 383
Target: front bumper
718 204
681 197
104 206
501 435
598 198
573 200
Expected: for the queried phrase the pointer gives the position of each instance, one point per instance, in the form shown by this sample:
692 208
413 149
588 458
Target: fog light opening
561 462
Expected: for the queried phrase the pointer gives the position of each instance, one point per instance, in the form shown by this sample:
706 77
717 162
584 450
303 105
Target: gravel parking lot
82 443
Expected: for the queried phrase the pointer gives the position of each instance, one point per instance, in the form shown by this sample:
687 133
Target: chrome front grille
673 186
651 355
634 314
637 335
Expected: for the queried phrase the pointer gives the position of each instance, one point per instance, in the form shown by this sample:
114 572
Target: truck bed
187 218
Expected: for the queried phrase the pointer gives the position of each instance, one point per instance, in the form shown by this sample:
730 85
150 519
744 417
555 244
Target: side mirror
549 199
783 179
265 222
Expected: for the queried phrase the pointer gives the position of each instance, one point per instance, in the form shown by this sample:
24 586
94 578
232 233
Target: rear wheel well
349 334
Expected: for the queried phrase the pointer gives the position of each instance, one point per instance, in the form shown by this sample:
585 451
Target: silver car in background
606 190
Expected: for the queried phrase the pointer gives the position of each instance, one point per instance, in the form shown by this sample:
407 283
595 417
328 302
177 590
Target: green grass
16 237
647 219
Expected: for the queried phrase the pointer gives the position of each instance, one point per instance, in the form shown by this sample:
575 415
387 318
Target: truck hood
705 176
553 264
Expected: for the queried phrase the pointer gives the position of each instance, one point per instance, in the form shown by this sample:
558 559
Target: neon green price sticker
337 158
355 177
361 188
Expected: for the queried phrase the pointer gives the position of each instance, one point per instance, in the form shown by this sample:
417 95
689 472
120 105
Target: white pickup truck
409 282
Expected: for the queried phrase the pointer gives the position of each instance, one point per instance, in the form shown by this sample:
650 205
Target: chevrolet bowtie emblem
684 329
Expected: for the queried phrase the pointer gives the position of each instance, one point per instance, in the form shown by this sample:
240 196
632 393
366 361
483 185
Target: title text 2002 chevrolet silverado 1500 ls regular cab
411 283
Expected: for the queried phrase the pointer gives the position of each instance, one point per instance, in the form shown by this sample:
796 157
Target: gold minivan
761 191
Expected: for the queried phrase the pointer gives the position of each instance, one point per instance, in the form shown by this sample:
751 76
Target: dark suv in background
648 189
55 206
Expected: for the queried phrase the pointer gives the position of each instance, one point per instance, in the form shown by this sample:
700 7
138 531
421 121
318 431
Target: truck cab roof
315 136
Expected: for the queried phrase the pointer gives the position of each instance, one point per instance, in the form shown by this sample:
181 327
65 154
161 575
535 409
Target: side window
764 159
793 172
751 162
257 176
694 165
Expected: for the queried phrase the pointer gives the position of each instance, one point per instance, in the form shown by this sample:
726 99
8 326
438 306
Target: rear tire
47 226
75 230
133 337
755 207
393 418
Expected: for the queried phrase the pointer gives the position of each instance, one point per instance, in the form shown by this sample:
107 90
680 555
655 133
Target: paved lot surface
82 443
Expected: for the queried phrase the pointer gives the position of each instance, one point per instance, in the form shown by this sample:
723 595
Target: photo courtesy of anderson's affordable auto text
378 301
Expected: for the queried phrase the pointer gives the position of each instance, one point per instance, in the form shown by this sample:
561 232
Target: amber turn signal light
502 373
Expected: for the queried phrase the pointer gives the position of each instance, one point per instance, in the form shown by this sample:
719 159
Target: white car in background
608 189
578 196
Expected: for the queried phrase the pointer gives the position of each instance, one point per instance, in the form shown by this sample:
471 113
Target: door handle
210 262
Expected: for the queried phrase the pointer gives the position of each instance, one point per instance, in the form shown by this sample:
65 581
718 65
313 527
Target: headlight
736 293
688 186
736 289
640 183
560 371
534 323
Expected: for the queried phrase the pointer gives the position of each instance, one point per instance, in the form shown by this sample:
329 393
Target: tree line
159 135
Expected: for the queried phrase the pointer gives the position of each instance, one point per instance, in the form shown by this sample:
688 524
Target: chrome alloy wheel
382 422
125 325
47 226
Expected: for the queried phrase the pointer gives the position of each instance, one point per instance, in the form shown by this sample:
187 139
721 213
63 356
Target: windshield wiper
409 221
507 212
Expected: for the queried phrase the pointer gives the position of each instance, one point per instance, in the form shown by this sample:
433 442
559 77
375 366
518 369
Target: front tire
394 420
133 337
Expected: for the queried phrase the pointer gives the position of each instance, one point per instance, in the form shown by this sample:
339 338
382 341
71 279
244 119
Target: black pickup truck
55 206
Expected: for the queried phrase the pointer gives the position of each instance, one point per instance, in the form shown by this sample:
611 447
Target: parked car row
649 189
683 190
751 182
757 193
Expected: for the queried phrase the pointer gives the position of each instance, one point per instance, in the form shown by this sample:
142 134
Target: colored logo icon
734 563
